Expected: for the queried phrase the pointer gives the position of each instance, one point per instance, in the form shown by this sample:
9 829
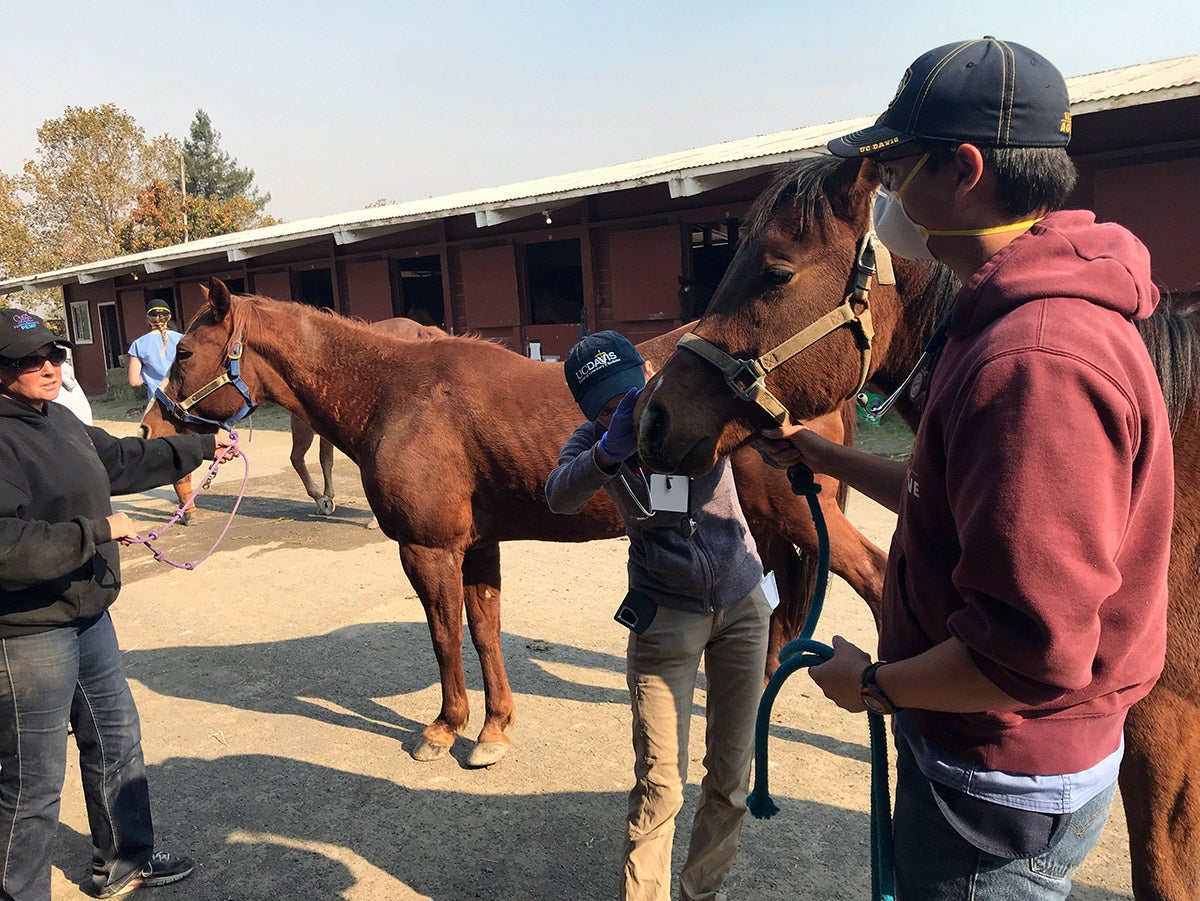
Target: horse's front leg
852 555
1162 796
183 490
481 591
436 575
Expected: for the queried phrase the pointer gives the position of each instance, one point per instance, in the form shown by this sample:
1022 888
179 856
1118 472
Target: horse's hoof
373 524
486 753
186 518
326 506
427 751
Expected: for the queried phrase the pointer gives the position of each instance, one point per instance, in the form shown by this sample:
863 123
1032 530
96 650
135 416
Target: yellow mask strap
915 169
975 232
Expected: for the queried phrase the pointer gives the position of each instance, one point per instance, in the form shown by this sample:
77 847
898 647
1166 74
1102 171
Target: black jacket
58 562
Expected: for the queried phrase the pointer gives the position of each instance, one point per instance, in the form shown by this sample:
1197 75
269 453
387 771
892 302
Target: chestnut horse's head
795 266
205 389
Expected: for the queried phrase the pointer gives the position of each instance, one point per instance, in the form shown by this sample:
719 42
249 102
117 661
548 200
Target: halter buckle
746 379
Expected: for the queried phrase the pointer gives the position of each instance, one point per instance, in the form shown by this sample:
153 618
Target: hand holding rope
233 449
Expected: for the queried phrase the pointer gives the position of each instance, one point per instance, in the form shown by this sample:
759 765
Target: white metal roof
686 173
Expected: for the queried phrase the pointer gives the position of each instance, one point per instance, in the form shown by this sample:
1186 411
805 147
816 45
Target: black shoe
162 869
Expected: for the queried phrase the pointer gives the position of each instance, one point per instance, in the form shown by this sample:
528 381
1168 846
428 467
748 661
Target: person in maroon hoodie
1025 597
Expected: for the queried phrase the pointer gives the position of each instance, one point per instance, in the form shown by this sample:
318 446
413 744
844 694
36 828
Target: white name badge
771 589
669 493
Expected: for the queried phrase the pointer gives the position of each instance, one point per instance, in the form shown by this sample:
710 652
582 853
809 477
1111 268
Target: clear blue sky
335 105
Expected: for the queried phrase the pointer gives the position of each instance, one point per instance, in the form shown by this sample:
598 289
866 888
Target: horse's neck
320 368
914 309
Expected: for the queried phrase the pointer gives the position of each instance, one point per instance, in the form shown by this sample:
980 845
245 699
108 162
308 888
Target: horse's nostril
653 426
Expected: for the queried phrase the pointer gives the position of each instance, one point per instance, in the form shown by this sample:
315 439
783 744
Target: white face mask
899 234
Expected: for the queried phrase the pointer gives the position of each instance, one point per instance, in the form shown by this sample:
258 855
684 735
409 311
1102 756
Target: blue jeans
67 675
934 863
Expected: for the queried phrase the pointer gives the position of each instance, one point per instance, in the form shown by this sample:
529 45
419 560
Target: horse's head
794 266
206 387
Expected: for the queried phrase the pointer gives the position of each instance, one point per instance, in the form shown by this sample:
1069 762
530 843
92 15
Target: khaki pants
661 667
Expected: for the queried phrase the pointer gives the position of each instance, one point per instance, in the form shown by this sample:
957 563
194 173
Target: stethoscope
687 525
917 379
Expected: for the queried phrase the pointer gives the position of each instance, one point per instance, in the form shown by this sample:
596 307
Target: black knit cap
986 92
600 367
22 333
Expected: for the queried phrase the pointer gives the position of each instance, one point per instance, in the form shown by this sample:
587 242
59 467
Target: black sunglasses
34 362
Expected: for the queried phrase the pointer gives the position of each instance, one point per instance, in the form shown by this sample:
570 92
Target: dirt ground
282 684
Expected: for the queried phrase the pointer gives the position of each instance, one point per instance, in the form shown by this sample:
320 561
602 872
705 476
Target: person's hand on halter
224 440
620 441
788 445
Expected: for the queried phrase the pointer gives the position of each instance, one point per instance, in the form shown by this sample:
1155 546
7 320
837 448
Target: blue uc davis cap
600 367
986 92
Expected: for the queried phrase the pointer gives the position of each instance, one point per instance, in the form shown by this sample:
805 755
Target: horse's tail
1173 341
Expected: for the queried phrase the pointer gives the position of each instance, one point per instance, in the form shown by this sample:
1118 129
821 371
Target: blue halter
231 376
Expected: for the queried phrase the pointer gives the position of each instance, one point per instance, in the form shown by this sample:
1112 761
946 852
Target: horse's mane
802 185
926 310
1171 337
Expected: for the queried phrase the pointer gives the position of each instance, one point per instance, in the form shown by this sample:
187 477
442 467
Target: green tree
85 177
212 172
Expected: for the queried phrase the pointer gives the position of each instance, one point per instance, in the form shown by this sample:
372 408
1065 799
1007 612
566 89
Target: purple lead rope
178 514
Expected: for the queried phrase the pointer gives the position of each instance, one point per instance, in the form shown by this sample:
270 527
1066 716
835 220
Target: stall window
554 275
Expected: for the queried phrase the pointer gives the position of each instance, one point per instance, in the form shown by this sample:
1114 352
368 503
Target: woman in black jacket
59 660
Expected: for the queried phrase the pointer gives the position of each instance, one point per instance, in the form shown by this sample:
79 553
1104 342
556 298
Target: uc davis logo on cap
900 88
24 321
1064 124
603 359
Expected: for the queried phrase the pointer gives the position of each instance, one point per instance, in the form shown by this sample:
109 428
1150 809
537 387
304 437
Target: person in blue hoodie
60 665
695 591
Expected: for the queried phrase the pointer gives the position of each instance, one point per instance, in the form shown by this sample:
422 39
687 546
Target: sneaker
163 869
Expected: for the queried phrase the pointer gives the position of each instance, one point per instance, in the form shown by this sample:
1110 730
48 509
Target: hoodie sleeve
32 551
138 464
1040 460
578 476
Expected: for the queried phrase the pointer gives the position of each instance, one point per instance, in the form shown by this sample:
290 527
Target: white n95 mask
899 234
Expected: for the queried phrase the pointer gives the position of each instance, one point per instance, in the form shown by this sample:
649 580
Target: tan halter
747 378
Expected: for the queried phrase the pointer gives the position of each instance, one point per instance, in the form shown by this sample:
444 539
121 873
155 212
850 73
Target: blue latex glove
620 441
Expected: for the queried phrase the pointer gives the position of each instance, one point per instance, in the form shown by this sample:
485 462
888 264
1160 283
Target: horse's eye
777 275
181 354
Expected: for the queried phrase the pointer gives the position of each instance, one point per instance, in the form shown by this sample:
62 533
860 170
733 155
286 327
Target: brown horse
303 434
454 438
791 269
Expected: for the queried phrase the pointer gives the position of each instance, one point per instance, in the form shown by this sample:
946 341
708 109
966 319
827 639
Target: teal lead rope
803 652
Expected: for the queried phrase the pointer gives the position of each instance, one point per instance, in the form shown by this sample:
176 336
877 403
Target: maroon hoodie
1036 520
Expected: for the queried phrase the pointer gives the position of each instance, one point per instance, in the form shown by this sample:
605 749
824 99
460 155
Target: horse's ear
219 297
849 186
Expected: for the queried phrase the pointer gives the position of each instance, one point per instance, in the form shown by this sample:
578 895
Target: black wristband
874 697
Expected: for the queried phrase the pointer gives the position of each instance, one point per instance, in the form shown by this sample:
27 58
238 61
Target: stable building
629 247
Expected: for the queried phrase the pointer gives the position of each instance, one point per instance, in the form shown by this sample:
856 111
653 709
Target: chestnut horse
805 233
303 434
454 439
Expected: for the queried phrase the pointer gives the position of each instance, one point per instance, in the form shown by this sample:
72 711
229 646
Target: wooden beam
354 235
690 185
486 218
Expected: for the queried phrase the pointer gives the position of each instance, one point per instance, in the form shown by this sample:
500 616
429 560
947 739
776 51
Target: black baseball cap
157 307
22 333
986 92
600 367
